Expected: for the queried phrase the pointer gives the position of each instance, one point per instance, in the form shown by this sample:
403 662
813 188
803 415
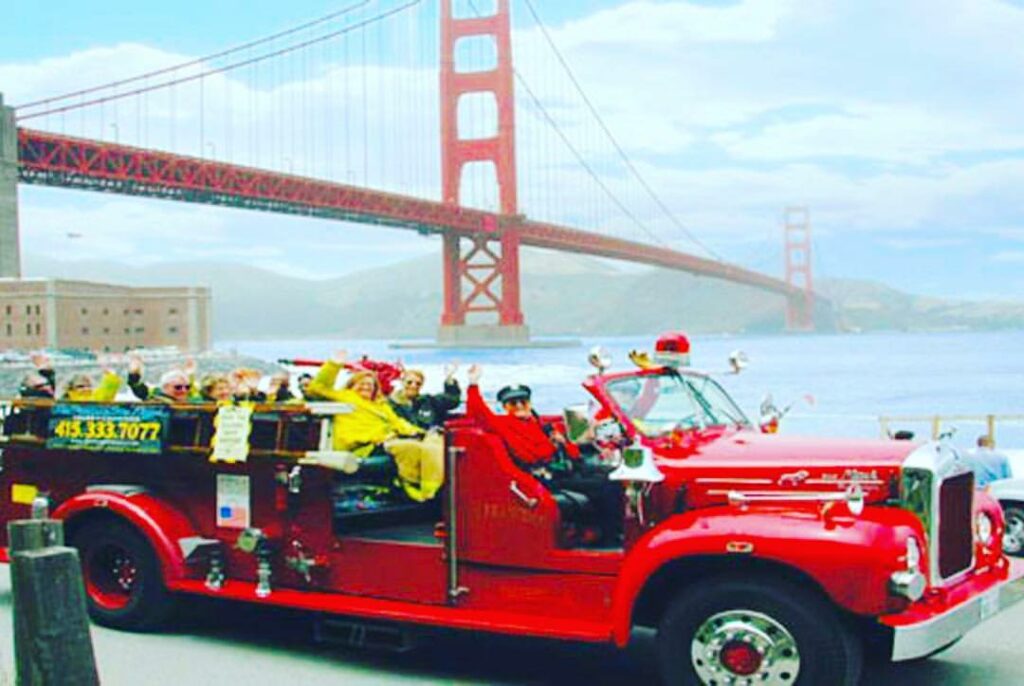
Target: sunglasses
518 401
180 387
413 383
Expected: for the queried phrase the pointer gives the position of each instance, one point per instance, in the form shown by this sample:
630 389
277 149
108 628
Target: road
224 645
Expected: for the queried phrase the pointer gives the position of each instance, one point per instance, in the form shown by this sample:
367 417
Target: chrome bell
637 466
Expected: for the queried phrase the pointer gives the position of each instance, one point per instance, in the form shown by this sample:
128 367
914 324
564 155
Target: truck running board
374 636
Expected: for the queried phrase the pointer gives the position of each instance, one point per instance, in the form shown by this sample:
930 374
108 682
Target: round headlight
913 553
983 528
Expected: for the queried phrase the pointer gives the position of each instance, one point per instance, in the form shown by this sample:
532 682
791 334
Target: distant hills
562 295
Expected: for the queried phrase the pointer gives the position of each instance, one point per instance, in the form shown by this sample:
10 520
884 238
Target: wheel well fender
803 549
162 524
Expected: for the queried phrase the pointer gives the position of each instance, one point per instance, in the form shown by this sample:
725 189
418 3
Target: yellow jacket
368 425
105 392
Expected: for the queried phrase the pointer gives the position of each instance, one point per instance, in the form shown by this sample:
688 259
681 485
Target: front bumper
925 628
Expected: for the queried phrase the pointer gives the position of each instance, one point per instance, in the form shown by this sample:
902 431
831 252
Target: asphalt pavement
226 644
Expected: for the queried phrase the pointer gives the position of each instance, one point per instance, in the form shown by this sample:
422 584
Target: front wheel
746 631
1013 537
124 586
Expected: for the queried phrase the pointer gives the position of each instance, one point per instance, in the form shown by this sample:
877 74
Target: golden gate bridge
338 117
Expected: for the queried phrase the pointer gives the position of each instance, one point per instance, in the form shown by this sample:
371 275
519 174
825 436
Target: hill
562 295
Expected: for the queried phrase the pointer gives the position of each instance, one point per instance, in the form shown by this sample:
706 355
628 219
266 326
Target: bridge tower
481 273
10 251
797 233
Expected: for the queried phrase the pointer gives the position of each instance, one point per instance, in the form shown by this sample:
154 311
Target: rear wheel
1013 537
739 631
124 586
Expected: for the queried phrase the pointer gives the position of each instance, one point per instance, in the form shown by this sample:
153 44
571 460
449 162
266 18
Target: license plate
990 604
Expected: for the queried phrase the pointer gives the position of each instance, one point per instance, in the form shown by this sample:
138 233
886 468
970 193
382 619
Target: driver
545 452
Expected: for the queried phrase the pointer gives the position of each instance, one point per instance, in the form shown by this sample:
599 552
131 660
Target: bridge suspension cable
227 68
199 60
611 137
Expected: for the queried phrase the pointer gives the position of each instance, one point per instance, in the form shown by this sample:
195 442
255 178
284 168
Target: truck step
374 636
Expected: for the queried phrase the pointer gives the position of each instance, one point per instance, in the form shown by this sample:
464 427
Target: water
838 385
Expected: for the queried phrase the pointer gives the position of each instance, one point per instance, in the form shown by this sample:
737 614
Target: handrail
937 420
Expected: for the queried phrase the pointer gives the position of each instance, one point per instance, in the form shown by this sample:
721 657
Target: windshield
674 402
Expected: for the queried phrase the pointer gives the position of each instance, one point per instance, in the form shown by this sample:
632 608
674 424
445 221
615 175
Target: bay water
838 385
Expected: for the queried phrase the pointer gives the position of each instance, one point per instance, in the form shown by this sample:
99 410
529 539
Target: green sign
108 428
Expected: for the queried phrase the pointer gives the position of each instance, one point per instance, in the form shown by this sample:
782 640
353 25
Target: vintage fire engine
759 559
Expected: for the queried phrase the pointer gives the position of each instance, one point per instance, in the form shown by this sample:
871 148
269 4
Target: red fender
869 548
162 524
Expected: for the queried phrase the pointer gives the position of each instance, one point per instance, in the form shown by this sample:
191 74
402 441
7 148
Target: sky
897 124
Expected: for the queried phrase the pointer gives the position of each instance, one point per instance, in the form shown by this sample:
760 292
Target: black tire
1013 515
827 650
124 585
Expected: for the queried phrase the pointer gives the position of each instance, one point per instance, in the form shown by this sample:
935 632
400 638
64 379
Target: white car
1010 494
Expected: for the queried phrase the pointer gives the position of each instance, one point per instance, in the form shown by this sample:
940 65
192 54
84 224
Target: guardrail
938 421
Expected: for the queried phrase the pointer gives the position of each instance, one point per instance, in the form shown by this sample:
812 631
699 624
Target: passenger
988 464
546 453
426 411
245 383
216 388
42 383
175 385
279 390
373 426
304 381
81 387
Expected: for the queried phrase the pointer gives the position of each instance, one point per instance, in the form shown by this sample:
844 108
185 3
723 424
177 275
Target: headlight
913 554
983 528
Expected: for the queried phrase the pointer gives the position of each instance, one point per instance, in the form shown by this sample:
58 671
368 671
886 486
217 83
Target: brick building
54 313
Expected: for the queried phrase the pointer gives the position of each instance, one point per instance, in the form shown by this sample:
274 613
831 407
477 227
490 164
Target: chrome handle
523 498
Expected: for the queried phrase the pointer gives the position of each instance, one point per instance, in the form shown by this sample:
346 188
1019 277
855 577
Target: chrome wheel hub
744 648
1013 538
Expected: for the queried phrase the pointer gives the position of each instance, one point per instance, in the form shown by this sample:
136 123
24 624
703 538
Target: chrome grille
956 539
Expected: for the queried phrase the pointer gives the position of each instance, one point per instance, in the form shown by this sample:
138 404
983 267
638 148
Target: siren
637 466
672 350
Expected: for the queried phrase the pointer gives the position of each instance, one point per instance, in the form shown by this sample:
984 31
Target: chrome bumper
918 640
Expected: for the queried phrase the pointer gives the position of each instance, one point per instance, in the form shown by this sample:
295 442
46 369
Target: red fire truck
759 559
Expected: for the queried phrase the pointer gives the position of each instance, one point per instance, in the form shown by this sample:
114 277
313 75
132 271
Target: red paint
56 160
493 257
161 523
799 269
517 574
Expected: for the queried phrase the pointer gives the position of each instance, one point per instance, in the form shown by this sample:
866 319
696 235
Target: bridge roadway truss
54 160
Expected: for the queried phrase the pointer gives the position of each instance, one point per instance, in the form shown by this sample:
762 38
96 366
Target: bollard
52 643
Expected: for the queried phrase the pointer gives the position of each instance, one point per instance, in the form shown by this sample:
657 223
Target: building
59 314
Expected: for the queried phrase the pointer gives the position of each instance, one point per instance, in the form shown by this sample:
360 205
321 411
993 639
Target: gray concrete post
10 248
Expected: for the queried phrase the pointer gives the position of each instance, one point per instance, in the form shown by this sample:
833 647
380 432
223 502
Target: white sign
231 433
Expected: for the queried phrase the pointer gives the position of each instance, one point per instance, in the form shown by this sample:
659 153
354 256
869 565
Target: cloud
882 117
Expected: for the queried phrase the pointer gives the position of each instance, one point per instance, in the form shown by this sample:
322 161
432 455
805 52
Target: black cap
510 393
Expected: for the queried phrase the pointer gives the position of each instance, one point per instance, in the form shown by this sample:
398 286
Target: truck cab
757 558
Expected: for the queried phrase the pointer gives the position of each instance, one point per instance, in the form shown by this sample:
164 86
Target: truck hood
713 464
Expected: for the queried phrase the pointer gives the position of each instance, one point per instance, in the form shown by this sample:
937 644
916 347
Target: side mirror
609 431
599 359
738 361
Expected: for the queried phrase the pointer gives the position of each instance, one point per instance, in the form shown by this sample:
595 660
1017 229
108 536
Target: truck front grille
956 535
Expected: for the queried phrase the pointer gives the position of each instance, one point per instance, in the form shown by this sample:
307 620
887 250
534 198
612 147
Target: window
138 310
172 329
173 310
127 330
85 330
10 332
28 329
37 309
39 328
28 309
105 312
85 311
140 329
126 310
106 329
8 310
